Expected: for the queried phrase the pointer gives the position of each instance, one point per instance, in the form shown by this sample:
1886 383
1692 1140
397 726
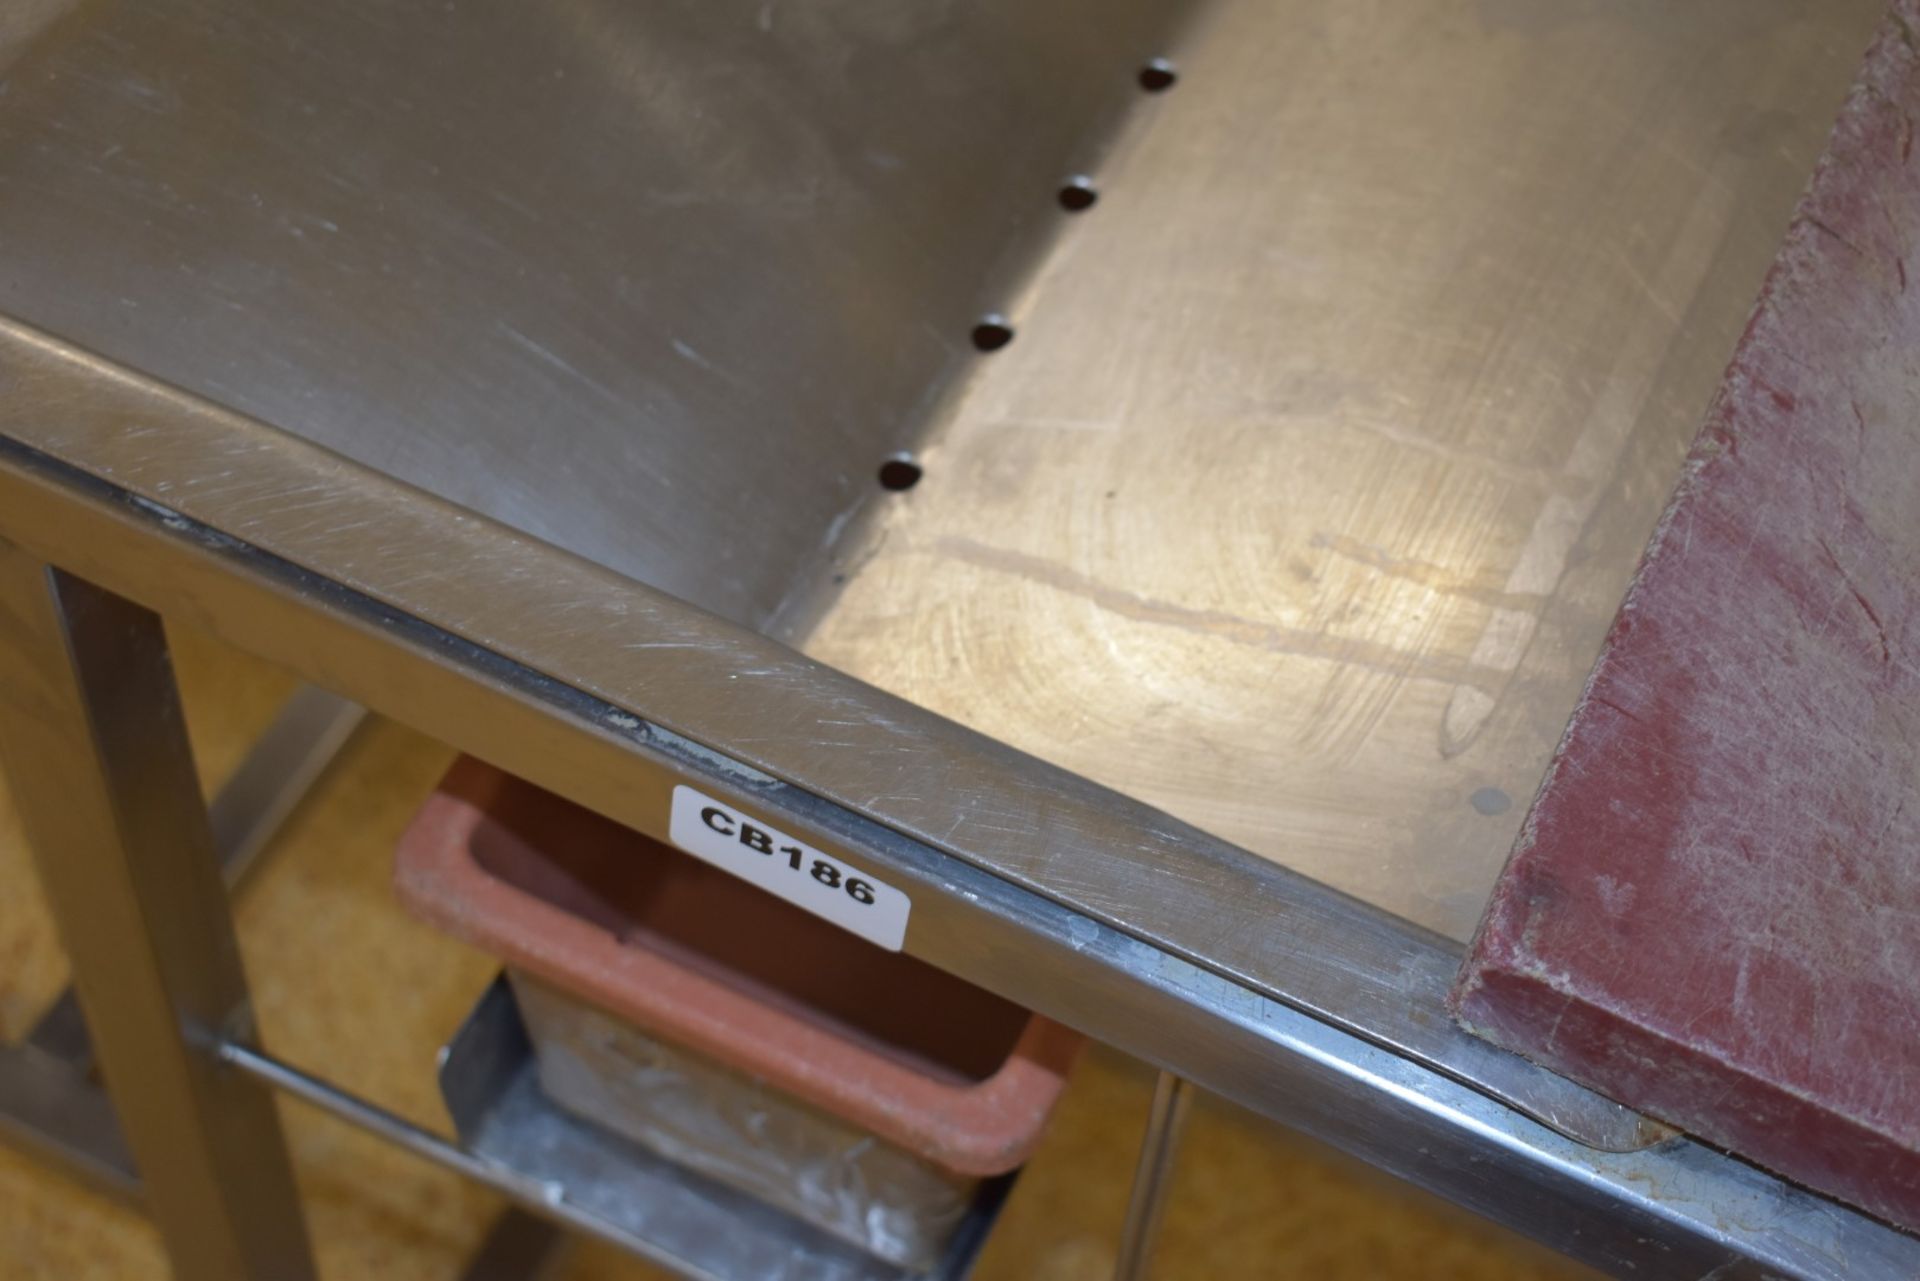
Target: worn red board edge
1712 912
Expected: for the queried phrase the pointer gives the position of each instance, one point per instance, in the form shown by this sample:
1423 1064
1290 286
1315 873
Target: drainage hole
1078 194
992 333
899 473
1158 75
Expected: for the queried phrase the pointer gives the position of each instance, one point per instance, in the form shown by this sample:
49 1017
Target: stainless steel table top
1296 506
661 283
1333 433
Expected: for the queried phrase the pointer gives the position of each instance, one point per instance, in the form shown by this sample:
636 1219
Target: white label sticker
756 851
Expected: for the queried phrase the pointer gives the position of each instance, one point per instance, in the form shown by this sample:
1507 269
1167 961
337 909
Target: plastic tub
858 1088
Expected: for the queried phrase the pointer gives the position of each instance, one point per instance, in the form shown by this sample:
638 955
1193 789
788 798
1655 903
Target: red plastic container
945 1071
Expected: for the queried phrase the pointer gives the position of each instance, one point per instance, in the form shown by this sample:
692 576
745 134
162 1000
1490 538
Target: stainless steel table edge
1303 1004
677 672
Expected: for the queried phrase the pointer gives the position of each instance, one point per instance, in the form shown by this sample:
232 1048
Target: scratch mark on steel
1425 573
1272 637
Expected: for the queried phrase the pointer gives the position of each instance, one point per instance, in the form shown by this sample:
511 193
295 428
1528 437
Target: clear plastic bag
710 1118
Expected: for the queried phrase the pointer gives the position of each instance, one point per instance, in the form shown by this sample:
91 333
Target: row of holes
1078 194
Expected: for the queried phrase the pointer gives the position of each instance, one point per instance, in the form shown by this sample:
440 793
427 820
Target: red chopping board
1713 911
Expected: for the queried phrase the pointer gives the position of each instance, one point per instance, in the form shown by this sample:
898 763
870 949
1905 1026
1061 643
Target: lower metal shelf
671 1216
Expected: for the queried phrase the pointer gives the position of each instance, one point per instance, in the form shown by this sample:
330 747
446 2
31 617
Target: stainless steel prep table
530 374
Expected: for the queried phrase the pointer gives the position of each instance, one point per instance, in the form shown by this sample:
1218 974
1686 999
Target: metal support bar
50 1105
689 1214
547 1200
376 1120
311 729
1153 1176
55 1114
97 754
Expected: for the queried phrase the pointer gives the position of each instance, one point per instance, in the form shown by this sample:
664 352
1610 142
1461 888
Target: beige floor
348 986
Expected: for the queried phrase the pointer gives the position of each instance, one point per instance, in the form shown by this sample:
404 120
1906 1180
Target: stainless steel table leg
1152 1176
57 1115
309 732
96 750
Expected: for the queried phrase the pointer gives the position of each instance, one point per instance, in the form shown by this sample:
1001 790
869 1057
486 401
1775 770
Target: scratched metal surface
1406 226
663 283
1332 433
1299 503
